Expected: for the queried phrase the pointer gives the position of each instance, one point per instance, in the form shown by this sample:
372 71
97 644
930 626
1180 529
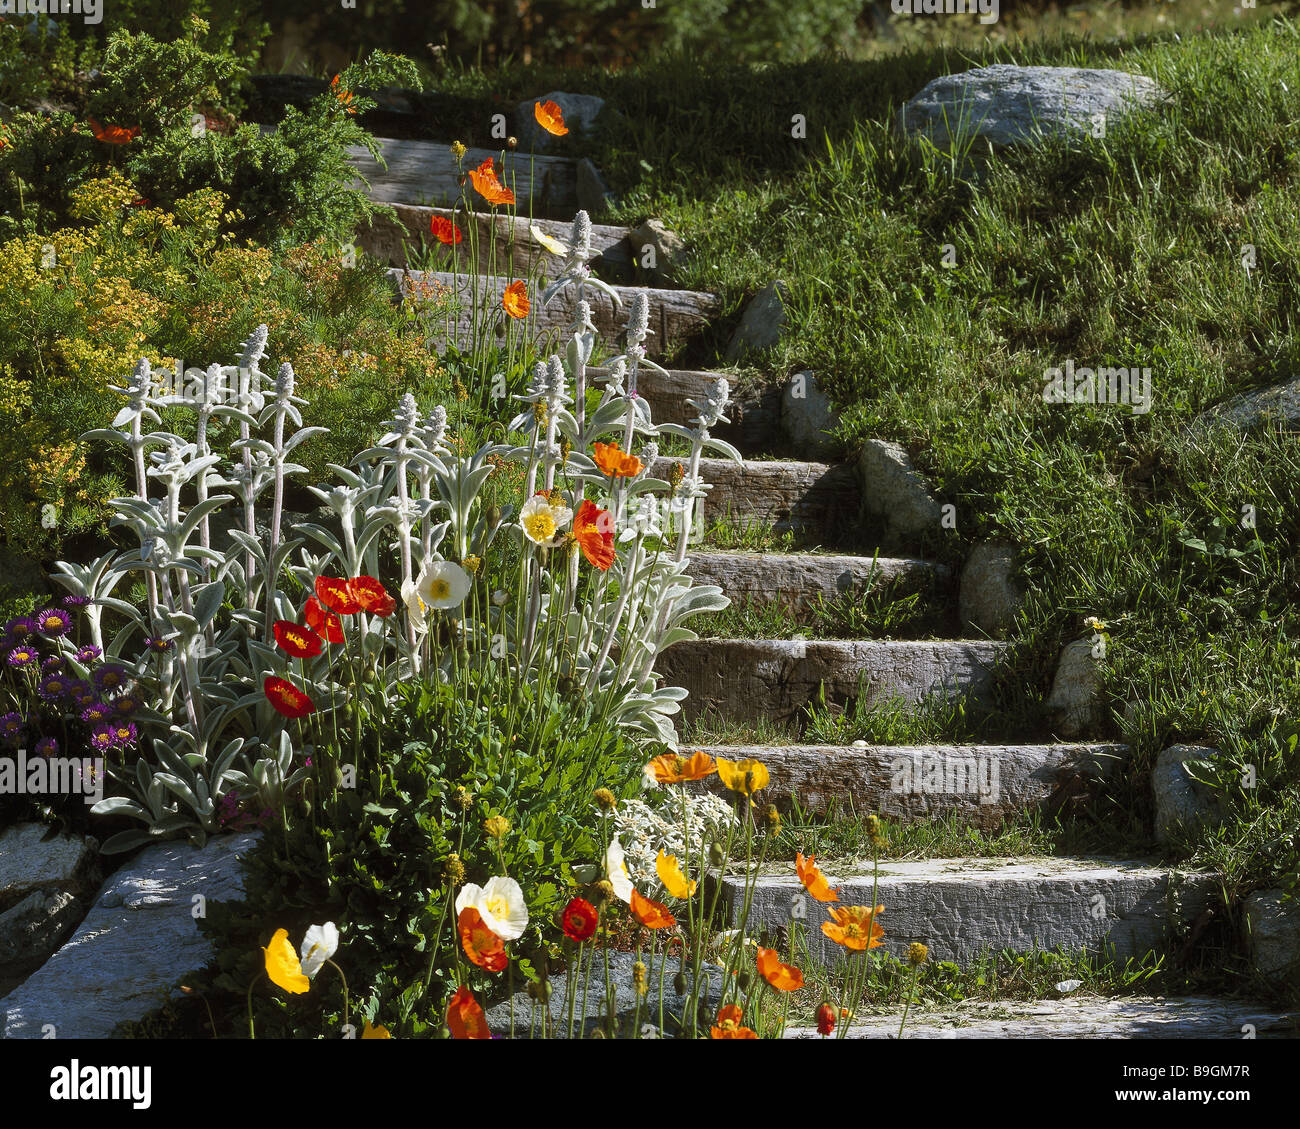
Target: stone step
816 497
425 172
796 581
960 907
981 784
741 679
1083 1017
674 314
514 249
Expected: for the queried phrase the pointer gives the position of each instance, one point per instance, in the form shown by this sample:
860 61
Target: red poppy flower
444 230
465 1017
287 698
579 920
650 913
372 596
113 134
337 595
825 1019
322 621
298 641
481 945
593 529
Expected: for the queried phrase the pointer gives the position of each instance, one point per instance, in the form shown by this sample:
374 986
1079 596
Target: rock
1182 802
33 929
620 976
651 238
139 938
1006 104
580 113
895 494
807 416
1076 694
761 323
30 862
1274 924
594 196
1280 403
990 596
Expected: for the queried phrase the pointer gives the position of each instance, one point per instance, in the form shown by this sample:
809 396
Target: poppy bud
716 857
512 142
494 517
825 1019
453 870
444 1032
679 983
539 990
460 180
744 980
639 982
605 799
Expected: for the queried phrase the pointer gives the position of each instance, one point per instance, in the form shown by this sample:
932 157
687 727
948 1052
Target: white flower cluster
644 830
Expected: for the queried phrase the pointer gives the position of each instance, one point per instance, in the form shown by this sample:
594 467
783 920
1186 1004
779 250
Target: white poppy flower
542 522
500 904
549 242
616 872
440 585
319 943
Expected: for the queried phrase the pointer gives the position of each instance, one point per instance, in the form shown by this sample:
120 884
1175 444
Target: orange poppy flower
650 913
616 463
287 698
814 881
113 134
372 596
594 531
579 920
481 945
855 927
336 594
782 977
444 230
298 641
825 1019
550 118
323 621
343 95
465 1017
488 184
728 1025
515 300
671 769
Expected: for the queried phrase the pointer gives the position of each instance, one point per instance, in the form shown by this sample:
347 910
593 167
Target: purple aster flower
101 740
75 602
54 662
97 713
53 622
53 686
22 655
88 655
47 747
126 704
11 727
109 677
159 645
124 734
18 629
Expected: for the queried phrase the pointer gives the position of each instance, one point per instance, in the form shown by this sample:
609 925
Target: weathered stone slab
675 315
505 243
27 863
1084 1017
796 581
753 410
895 495
958 907
782 495
32 929
1274 926
775 678
1007 104
981 784
425 172
138 940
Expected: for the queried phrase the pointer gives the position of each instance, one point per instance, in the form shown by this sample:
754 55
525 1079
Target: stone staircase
958 907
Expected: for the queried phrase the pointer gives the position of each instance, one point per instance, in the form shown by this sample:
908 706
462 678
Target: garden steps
786 496
742 679
982 785
960 907
516 251
1082 1017
675 315
797 581
425 172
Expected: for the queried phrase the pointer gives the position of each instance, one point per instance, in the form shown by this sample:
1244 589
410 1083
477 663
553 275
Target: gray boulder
1280 403
33 929
139 938
1274 924
580 113
665 245
894 494
594 196
29 861
761 323
990 595
807 417
1006 104
1076 697
1182 802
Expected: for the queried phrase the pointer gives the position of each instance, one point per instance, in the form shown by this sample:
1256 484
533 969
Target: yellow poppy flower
746 777
282 965
670 874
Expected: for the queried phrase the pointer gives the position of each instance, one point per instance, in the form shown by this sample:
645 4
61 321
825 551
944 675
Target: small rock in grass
1076 697
990 596
807 417
1181 801
761 323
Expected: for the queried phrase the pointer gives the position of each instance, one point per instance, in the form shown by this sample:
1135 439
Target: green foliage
374 864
